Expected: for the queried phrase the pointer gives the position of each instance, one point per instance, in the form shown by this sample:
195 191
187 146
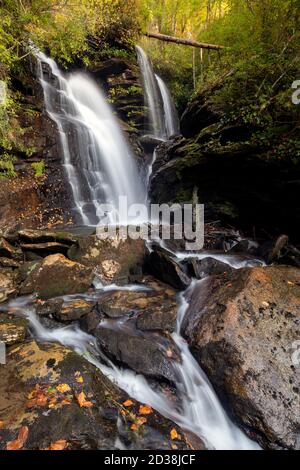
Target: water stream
98 162
100 168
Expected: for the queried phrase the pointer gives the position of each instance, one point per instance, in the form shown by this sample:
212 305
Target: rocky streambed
83 318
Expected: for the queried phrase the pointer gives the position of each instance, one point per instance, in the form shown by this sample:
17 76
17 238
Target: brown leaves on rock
18 443
145 410
82 401
58 445
174 435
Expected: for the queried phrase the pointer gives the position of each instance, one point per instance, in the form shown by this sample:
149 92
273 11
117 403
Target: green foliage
39 168
7 169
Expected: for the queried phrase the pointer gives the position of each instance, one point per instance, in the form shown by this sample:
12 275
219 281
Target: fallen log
184 42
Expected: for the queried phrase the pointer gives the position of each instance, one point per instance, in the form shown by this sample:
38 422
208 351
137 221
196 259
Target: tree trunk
184 42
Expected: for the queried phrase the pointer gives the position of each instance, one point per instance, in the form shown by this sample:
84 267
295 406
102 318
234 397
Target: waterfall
162 112
98 162
170 112
153 95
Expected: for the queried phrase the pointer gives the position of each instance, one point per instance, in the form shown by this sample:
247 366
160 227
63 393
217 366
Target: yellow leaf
128 403
174 446
145 410
79 379
63 388
134 427
174 434
141 420
169 352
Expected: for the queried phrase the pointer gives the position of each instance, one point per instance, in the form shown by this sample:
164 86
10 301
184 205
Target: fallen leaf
174 434
290 283
174 446
83 403
2 424
145 410
63 388
141 420
58 445
79 379
20 441
128 403
169 352
134 427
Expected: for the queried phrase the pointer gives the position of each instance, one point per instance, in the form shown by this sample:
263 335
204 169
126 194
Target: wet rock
271 250
40 388
8 263
56 276
114 259
73 310
12 329
9 251
161 265
134 329
49 307
7 284
45 236
206 267
243 328
45 249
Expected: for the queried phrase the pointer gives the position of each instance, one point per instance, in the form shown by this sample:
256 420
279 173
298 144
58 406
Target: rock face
242 327
114 259
235 181
133 328
12 329
161 264
58 395
55 276
7 284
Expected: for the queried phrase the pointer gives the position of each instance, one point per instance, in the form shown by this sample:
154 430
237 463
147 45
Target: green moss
39 169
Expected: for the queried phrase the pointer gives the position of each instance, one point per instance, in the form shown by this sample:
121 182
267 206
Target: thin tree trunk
183 42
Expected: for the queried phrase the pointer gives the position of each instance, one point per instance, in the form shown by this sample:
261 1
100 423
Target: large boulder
55 276
134 328
52 398
242 327
113 259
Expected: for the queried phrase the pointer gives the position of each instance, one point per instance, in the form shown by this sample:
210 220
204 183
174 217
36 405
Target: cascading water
153 95
98 162
100 168
200 411
171 117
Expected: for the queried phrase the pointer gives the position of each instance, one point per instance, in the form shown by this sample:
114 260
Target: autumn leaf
128 403
20 441
63 388
145 410
169 352
141 420
83 403
79 379
58 445
134 427
2 424
174 446
174 434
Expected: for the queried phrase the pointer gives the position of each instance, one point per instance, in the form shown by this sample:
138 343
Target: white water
200 410
153 95
97 159
171 117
